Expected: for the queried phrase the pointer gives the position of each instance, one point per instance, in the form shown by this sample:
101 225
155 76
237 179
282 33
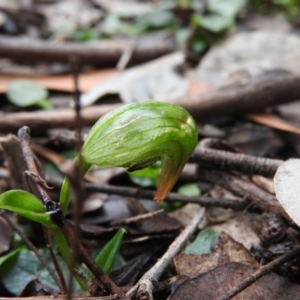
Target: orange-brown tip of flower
160 196
165 185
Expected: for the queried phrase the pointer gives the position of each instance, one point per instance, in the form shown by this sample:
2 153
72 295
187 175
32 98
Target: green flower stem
65 198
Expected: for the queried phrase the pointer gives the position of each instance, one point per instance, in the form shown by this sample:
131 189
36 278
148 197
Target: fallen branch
46 119
243 188
147 194
259 92
220 154
145 286
253 96
244 163
102 53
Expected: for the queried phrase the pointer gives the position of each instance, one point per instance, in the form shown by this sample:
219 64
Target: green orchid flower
136 135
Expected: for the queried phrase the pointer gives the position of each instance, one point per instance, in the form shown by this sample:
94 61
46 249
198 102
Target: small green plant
133 136
25 93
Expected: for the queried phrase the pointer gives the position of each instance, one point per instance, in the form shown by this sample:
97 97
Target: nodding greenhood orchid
136 135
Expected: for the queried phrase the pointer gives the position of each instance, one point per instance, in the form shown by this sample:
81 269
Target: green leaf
203 243
112 24
9 255
23 266
190 189
84 34
146 177
14 273
213 22
64 197
228 8
158 19
107 256
199 43
24 93
26 205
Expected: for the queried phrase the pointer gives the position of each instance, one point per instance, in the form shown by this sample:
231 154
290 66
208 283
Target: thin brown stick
137 218
145 286
267 89
171 197
16 166
226 160
262 271
103 53
58 269
242 188
75 179
126 55
46 119
253 96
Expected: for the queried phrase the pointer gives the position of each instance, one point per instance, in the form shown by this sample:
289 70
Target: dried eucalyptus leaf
287 188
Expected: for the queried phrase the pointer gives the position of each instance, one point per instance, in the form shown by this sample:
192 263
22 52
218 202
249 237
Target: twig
126 55
15 162
45 119
144 288
262 271
76 174
265 90
34 250
242 188
171 197
57 218
147 194
226 160
104 53
137 218
247 98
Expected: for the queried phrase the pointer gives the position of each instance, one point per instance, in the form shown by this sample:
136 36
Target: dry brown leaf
64 83
239 228
272 121
214 284
228 250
